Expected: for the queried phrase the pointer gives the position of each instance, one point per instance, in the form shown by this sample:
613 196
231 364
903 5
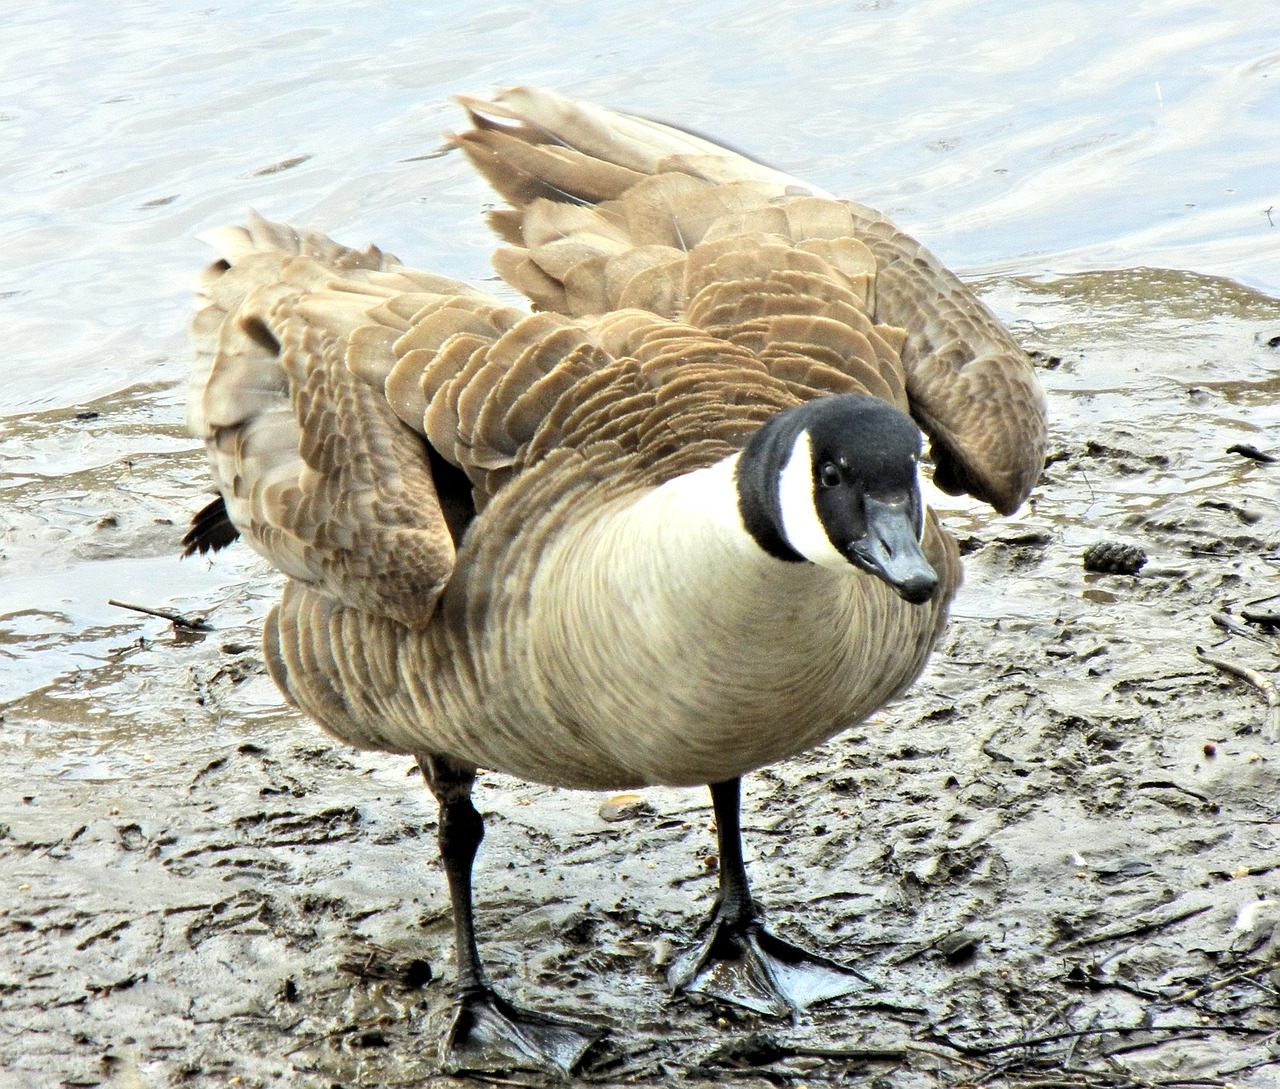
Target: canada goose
665 529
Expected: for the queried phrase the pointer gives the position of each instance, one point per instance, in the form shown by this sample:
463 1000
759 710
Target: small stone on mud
663 951
959 946
1114 558
623 807
417 974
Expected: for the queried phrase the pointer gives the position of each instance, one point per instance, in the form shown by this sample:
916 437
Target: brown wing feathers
685 294
970 387
313 466
211 530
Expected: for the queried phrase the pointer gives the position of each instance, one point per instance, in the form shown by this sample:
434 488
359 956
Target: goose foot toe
747 965
489 1033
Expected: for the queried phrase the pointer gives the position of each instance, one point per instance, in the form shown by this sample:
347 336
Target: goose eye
829 475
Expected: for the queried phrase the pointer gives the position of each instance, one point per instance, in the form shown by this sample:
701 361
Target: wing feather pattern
968 384
682 294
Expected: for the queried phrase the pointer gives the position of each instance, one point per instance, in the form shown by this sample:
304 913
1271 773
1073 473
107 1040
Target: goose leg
487 1031
738 960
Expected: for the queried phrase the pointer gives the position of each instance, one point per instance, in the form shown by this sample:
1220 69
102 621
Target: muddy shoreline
1056 858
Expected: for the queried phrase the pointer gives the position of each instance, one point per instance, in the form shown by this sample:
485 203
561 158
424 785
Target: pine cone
1114 558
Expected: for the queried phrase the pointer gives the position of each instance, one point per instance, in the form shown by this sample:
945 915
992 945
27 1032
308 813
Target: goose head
836 482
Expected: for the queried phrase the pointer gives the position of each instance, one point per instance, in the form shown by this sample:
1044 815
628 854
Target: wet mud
1055 860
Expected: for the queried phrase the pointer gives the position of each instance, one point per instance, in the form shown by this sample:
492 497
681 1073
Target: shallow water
1035 148
1046 136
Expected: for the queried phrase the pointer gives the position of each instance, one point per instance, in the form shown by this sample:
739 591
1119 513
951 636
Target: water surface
1029 137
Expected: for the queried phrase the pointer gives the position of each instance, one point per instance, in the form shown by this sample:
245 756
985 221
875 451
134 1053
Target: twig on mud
1058 1014
854 1054
1222 984
1169 784
1070 1056
322 1038
1124 1081
1232 626
1144 926
996 754
1075 1034
992 753
187 623
1245 450
1096 1080
1266 687
1266 617
761 1049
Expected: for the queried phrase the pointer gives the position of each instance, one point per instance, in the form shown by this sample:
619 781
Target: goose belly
681 668
662 682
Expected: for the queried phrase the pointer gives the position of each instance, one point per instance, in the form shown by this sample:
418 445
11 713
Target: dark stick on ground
187 623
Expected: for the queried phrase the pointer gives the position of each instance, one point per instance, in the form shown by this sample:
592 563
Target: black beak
891 551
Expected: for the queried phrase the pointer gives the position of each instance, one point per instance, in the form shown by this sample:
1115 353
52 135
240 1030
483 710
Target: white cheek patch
801 525
924 507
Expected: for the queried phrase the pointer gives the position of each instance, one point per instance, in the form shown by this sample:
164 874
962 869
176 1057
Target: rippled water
1027 136
1018 140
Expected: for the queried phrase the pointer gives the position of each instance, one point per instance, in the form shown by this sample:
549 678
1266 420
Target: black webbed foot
743 963
738 960
489 1033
